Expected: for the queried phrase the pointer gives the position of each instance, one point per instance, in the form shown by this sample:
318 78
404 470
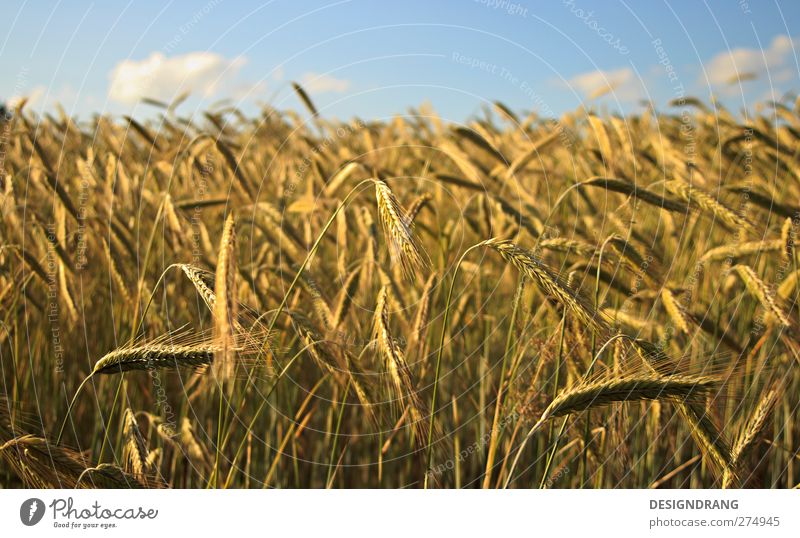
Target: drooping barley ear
567 245
403 245
626 388
191 446
315 345
752 431
225 309
417 205
742 249
711 441
42 464
709 437
196 276
395 362
134 451
707 203
109 476
760 291
676 312
320 305
338 364
156 356
550 284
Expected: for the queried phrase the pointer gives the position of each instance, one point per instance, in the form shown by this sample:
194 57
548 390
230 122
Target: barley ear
225 305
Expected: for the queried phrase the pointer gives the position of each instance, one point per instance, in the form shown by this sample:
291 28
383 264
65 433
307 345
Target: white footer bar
385 514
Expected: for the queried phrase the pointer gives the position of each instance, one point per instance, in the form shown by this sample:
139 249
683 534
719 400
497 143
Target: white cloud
777 59
315 83
622 82
162 77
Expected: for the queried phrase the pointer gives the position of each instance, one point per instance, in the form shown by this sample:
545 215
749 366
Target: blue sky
373 59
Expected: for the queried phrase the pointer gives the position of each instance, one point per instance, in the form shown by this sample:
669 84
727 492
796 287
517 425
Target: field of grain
218 300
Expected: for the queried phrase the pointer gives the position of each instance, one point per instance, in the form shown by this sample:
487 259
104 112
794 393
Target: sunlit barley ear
397 228
749 435
626 388
225 304
403 384
134 451
42 464
787 239
761 291
156 356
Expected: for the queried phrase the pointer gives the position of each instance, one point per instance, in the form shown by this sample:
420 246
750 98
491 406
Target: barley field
221 300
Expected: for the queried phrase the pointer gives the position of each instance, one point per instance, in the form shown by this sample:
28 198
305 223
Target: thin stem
331 465
495 433
69 408
429 447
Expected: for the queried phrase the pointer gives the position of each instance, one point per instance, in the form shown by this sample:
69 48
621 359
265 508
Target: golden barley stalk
225 308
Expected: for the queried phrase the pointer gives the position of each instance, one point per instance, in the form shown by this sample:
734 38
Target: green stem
495 434
428 450
332 465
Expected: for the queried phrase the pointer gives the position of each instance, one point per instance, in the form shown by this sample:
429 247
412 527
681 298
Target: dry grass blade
625 187
481 142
